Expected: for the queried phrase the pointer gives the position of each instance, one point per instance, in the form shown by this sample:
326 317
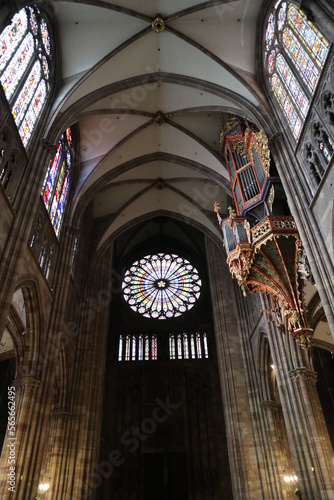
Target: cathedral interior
166 249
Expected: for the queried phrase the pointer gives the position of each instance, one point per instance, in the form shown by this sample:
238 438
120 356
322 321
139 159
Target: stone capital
302 374
29 381
270 405
60 414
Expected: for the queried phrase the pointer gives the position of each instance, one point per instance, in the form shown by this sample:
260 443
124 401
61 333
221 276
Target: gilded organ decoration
264 251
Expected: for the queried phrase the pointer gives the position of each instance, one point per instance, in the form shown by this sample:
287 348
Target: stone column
252 475
84 430
53 428
274 427
53 461
18 442
307 433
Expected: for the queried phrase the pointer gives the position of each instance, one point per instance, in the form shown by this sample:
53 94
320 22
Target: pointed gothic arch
25 313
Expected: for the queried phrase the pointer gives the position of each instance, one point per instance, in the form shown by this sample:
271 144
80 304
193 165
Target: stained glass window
172 346
316 44
133 349
137 347
281 16
270 33
291 83
154 350
295 53
301 59
188 346
198 345
25 57
11 36
161 286
185 346
57 180
147 348
120 348
127 347
287 106
140 348
192 347
205 343
181 346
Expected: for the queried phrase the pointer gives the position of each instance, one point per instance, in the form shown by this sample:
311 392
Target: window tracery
25 59
161 286
295 53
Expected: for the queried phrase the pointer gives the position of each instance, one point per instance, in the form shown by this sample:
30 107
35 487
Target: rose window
161 286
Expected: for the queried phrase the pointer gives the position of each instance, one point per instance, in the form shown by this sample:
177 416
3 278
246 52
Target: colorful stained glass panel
161 286
316 43
26 93
45 67
271 61
306 67
58 191
34 110
11 37
51 175
45 36
291 83
288 108
24 65
270 33
281 16
33 21
57 181
18 64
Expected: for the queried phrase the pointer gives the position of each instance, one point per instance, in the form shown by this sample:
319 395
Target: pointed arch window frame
26 73
293 91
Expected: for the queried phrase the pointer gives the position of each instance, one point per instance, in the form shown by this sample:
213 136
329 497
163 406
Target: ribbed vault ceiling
118 74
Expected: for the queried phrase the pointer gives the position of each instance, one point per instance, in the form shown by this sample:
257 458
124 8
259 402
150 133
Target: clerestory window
294 56
57 180
25 63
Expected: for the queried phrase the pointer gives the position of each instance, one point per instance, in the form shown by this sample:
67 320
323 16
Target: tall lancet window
294 56
57 180
25 62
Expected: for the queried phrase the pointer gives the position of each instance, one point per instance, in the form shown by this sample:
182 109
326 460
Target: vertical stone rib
244 467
